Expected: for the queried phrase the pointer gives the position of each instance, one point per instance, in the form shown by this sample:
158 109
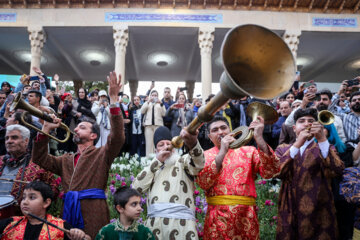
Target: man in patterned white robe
169 183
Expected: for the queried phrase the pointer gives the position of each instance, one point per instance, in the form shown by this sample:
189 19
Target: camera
66 101
352 82
183 89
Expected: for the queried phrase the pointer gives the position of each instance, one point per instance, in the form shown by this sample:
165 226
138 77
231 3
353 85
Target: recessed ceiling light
162 58
304 61
95 57
25 56
354 64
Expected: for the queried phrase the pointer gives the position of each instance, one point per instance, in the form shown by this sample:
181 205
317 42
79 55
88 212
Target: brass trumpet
326 117
20 103
257 63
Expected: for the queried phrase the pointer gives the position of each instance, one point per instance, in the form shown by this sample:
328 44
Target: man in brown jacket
85 173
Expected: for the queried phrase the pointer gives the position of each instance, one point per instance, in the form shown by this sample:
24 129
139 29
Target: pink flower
58 181
196 192
198 210
123 184
268 203
201 234
112 181
61 195
274 217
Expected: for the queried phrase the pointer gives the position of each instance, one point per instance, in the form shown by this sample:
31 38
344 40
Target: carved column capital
37 38
292 39
206 39
121 37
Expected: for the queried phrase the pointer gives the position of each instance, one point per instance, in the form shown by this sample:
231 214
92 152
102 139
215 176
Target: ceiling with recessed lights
164 54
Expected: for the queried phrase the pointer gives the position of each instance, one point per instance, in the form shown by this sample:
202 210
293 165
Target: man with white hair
169 183
17 164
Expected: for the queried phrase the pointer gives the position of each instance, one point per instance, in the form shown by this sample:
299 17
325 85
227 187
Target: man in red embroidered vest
228 179
84 174
36 200
17 165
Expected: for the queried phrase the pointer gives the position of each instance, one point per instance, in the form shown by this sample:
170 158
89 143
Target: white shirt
324 148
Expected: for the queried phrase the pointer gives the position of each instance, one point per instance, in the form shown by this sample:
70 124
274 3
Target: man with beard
351 121
169 183
323 103
84 174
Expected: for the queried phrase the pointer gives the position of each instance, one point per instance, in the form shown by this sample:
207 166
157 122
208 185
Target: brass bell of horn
254 110
325 117
257 63
20 103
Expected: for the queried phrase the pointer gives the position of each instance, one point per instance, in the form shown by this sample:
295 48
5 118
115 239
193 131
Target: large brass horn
257 63
19 103
325 117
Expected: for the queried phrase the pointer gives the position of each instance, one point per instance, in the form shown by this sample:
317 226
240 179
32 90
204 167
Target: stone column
190 89
133 84
206 38
291 37
121 38
37 39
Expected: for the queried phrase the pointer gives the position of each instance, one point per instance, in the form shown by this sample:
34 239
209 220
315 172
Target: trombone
20 103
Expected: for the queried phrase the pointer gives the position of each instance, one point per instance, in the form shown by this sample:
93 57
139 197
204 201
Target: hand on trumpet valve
48 126
317 131
258 126
190 140
226 141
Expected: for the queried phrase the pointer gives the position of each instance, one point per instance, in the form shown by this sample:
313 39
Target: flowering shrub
266 202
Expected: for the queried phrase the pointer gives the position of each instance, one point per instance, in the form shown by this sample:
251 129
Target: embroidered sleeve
195 160
266 165
144 179
208 176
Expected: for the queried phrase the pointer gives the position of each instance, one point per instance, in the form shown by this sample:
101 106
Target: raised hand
37 70
114 86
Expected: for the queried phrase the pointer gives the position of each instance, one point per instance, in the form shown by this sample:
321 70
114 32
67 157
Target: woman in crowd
84 106
154 111
180 115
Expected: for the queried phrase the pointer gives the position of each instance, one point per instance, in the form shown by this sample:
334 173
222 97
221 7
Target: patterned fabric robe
350 189
306 203
236 177
91 171
18 232
172 184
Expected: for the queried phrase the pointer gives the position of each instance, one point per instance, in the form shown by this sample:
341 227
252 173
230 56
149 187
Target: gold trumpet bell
254 110
257 63
325 117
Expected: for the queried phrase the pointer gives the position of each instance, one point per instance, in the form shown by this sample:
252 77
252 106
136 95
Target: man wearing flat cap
169 183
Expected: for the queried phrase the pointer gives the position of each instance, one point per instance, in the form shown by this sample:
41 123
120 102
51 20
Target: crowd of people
316 161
